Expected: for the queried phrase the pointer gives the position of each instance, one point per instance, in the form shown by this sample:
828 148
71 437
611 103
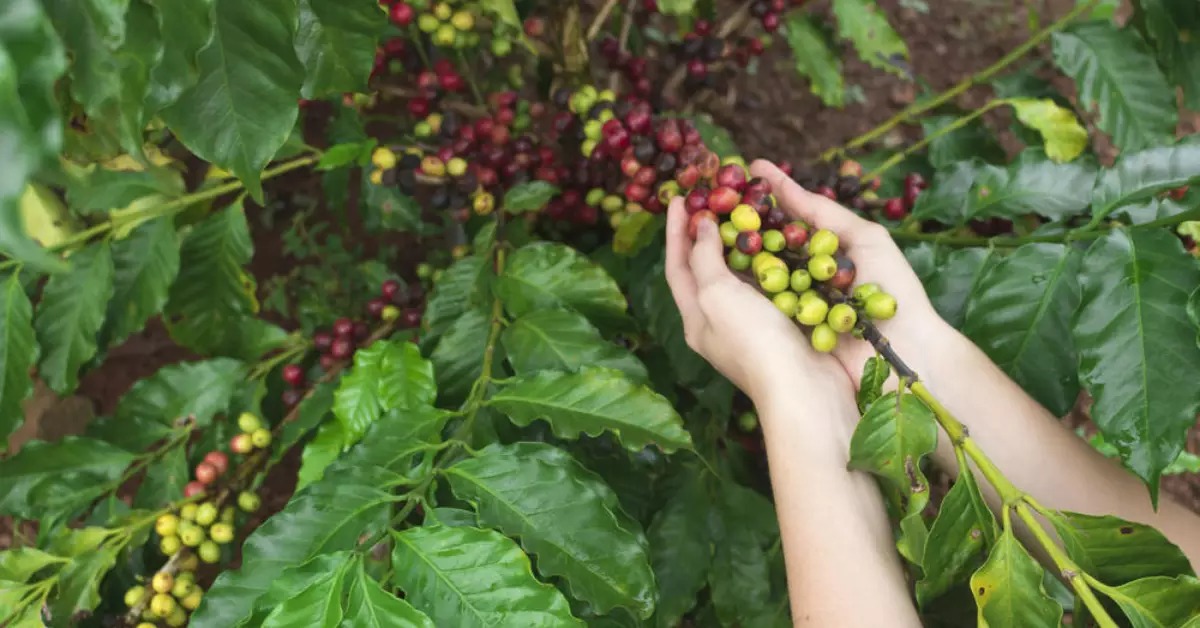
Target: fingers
679 245
814 209
708 258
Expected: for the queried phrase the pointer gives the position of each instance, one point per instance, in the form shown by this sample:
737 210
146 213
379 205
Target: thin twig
601 19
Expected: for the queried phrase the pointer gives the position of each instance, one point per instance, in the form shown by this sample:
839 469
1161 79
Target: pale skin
837 540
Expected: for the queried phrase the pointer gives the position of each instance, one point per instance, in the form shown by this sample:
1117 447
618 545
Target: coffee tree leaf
243 107
1020 315
864 24
18 564
368 605
716 138
456 292
958 535
470 577
948 197
178 391
70 314
46 480
677 7
102 190
1139 176
1115 73
387 375
1159 601
144 266
1063 137
1171 26
1193 309
656 311
548 274
1031 184
531 196
393 440
876 372
593 401
458 357
387 208
18 353
187 26
814 57
1136 346
78 587
680 552
974 140
1116 551
336 43
164 480
317 604
329 516
739 582
1008 588
310 414
320 452
895 433
539 493
955 280
563 340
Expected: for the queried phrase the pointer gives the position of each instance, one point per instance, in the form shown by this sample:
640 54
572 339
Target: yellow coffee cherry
134 596
221 533
383 158
248 422
376 177
261 438
192 601
188 564
169 545
187 512
206 514
209 552
162 604
162 582
178 617
166 524
182 588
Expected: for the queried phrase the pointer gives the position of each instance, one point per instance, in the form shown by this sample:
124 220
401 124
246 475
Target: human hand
916 331
731 324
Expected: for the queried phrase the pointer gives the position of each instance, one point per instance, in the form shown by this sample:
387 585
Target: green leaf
1115 73
144 266
947 199
393 440
49 479
336 42
716 138
676 7
1116 551
458 358
318 604
680 552
368 605
387 208
389 374
563 340
455 293
187 25
243 107
973 140
505 10
959 533
1064 138
469 577
1136 346
1008 589
738 580
539 493
212 302
592 401
1172 25
814 57
19 564
954 282
188 389
78 587
877 43
895 433
1020 314
1142 175
1159 602
345 154
320 452
70 314
531 196
547 274
18 352
1029 185
329 516
102 190
657 312
164 480
312 411
876 372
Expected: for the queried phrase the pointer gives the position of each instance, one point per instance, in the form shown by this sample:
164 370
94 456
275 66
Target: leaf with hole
1008 589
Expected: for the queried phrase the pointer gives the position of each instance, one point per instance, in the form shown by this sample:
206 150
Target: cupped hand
731 324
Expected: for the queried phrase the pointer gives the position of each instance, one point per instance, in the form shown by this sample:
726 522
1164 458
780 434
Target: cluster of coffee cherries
447 25
172 598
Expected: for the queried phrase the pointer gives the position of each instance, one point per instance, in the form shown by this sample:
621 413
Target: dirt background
775 117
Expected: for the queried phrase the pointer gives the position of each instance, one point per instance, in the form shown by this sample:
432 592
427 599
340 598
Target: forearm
836 536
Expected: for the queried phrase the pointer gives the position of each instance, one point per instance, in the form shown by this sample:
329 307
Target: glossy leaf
1008 589
320 452
102 190
387 208
78 586
49 479
1031 185
658 313
876 372
529 197
892 437
458 358
877 43
716 138
961 530
243 107
70 314
469 577
1062 136
336 43
1116 551
948 197
814 57
538 493
455 293
955 279
1020 314
187 26
389 374
974 140
1137 347
1142 175
1160 602
1115 73
392 441
18 352
546 274
144 267
1172 25
739 581
592 401
318 604
680 552
368 605
312 412
563 340
188 389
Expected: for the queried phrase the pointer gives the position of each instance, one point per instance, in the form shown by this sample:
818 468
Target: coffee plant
474 373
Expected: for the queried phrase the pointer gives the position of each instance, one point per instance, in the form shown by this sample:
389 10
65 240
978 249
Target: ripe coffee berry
291 397
193 489
375 307
241 444
343 327
722 200
697 219
844 277
322 340
894 209
293 374
732 176
218 460
206 473
749 242
342 347
796 235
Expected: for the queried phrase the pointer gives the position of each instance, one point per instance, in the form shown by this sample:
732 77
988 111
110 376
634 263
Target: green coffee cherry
787 302
842 318
864 291
823 242
773 279
134 596
822 267
824 339
774 241
747 421
812 312
801 280
880 306
737 260
206 514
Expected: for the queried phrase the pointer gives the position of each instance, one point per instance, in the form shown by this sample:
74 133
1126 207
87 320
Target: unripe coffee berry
261 438
192 489
389 313
182 588
192 600
169 545
774 241
745 218
134 596
162 582
787 302
823 242
842 318
729 233
187 512
227 514
177 618
162 604
189 564
812 311
880 306
221 533
738 260
800 280
241 444
766 260
248 422
824 338
166 525
747 421
209 552
206 514
146 624
383 158
773 279
822 267
864 291
192 536
248 501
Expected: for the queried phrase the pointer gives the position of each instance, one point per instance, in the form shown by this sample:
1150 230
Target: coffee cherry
241 444
723 200
146 624
169 545
227 514
737 260
796 235
774 241
291 397
193 599
187 512
322 341
293 374
749 242
842 318
773 279
218 460
193 489
914 180
732 176
206 473
221 533
248 422
134 596
183 587
812 311
162 604
800 280
162 582
910 196
864 291
787 302
206 514
342 348
209 552
894 209
745 219
844 277
765 260
823 242
189 564
248 501
824 338
166 525
729 233
880 306
747 421
401 15
261 438
822 267
178 617
343 327
389 314
697 218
